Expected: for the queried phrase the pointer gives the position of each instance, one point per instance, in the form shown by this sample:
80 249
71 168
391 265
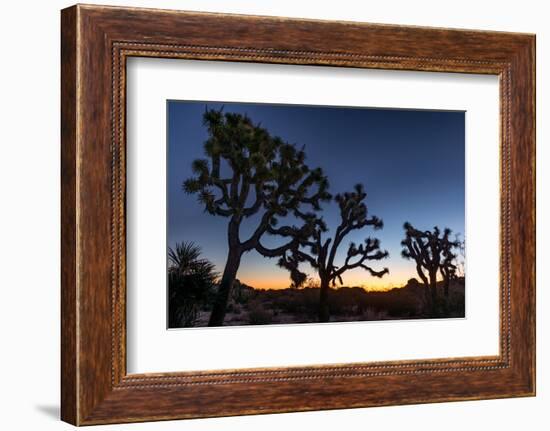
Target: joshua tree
448 267
322 252
459 261
249 172
191 282
432 252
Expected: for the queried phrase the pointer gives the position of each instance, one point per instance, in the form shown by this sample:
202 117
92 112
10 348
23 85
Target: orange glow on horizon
353 278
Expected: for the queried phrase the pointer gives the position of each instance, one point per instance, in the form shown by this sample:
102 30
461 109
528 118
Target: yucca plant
191 284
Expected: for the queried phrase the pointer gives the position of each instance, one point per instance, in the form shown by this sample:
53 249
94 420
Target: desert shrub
456 301
374 314
413 283
241 293
293 301
348 303
402 306
258 315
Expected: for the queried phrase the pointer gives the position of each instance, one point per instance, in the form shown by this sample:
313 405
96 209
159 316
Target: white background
151 348
29 216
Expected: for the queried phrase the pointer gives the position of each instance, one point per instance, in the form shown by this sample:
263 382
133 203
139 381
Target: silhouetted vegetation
321 253
191 284
251 175
347 304
432 252
246 164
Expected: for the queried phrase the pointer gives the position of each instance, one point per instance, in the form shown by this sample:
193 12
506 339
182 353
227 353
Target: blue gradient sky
410 162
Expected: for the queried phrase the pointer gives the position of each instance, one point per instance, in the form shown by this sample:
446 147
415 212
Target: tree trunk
229 274
324 312
427 297
433 291
427 294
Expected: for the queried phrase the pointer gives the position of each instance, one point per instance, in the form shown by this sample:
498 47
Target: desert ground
249 306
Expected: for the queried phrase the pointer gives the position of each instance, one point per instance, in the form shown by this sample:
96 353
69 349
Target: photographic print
289 214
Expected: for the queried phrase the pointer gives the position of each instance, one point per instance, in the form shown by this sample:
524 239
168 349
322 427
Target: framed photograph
265 215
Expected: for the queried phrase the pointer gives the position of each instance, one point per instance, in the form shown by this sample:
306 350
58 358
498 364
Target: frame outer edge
532 81
523 217
69 201
87 396
529 61
533 54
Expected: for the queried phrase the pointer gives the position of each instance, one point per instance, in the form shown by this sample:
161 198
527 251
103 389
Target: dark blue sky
410 162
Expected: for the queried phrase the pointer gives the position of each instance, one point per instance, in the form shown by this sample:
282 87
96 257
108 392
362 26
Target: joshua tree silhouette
322 253
448 267
432 251
248 172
